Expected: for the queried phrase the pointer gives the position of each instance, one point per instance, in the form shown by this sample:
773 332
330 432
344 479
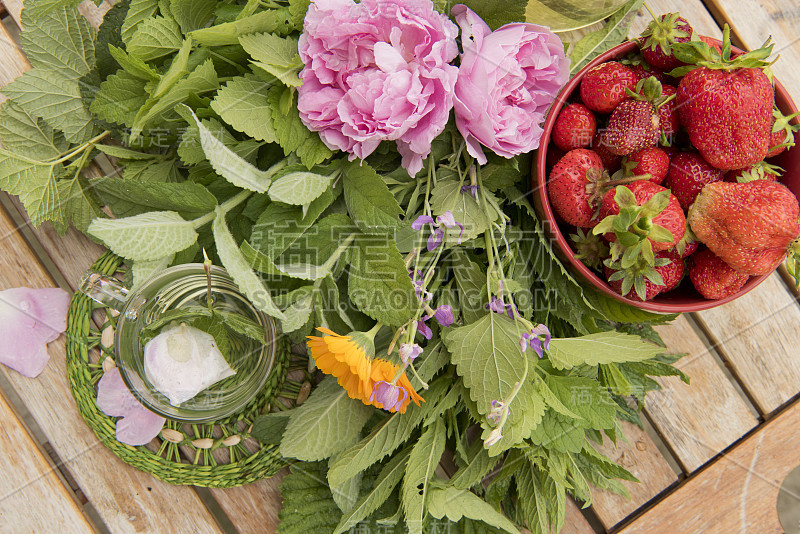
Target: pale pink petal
388 58
138 425
29 319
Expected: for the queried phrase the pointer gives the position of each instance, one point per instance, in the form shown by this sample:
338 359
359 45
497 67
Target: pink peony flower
377 71
137 425
507 80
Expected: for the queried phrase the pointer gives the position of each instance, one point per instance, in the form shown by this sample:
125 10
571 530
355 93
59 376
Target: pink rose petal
138 425
29 319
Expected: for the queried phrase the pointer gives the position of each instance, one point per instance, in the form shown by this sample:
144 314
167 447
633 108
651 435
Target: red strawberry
659 37
714 278
606 85
574 186
750 226
713 43
782 136
727 109
688 245
688 173
610 160
649 217
760 171
635 124
668 113
616 279
589 248
574 127
653 161
672 272
643 70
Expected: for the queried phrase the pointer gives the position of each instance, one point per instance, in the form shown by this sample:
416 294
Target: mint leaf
124 153
308 506
56 99
138 12
276 55
27 134
192 14
299 188
290 131
422 462
60 39
242 325
498 12
613 33
191 151
149 196
298 313
154 38
456 504
618 311
143 270
447 196
272 21
133 64
369 201
379 284
604 347
149 236
78 204
243 104
119 99
558 433
325 424
233 261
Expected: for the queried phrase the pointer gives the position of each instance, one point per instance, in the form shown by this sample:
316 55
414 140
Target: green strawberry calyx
589 248
662 32
650 90
793 260
699 54
759 171
782 122
634 227
634 276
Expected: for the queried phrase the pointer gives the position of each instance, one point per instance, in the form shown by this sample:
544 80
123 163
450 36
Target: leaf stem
225 207
81 148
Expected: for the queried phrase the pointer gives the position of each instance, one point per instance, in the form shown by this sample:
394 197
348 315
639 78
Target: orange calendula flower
345 357
387 396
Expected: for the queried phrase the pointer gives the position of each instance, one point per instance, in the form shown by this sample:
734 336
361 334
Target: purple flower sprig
443 315
538 339
438 226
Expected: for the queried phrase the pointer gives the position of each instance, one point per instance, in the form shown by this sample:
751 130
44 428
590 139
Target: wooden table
712 458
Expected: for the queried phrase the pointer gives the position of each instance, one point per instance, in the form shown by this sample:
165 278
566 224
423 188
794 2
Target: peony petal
139 427
138 424
29 319
388 58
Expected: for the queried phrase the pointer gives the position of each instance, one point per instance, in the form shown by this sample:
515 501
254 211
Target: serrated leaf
308 505
456 504
77 203
559 433
615 310
369 201
143 270
228 164
133 64
387 480
138 12
499 12
35 184
54 98
192 14
325 424
154 38
298 313
270 49
119 99
585 398
60 39
603 347
447 196
148 236
27 134
613 33
277 21
299 188
243 104
291 133
422 462
236 265
150 196
478 466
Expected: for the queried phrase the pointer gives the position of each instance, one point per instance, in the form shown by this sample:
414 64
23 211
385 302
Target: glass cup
174 288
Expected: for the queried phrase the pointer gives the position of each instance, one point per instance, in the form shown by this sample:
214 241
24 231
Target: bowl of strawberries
664 176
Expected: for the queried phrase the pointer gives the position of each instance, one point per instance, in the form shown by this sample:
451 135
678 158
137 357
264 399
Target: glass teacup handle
110 292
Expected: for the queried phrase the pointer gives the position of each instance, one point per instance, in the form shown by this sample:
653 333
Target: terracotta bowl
685 298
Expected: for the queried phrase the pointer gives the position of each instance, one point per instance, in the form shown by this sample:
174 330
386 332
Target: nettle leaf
478 466
378 283
447 196
35 184
603 347
192 14
243 104
308 505
369 201
276 55
291 133
182 197
154 38
228 164
498 12
455 504
149 236
325 424
55 98
78 203
585 398
277 21
236 265
299 188
27 134
559 433
422 462
613 33
119 99
59 39
138 12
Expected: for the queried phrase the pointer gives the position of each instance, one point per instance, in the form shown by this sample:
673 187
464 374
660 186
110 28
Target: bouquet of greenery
360 170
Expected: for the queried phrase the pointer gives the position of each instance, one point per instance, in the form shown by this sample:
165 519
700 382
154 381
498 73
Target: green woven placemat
219 454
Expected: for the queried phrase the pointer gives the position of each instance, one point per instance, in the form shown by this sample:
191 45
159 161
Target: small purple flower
534 339
388 396
416 279
497 306
471 189
496 413
438 226
424 329
444 315
409 352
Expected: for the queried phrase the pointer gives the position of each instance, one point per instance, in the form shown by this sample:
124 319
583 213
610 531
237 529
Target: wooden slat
692 10
126 499
574 522
253 509
13 62
760 339
32 496
14 8
739 492
698 420
642 458
91 11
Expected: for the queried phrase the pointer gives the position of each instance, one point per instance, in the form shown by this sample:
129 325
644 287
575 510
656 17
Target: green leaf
585 398
558 432
149 196
154 38
308 505
192 14
298 313
27 134
119 99
276 55
369 201
242 325
603 347
379 284
613 33
476 469
272 21
229 165
387 480
269 428
447 196
243 104
325 424
532 504
138 12
60 40
233 261
133 64
56 99
291 133
149 236
456 504
78 204
299 188
615 310
498 12
346 495
386 437
422 462
143 270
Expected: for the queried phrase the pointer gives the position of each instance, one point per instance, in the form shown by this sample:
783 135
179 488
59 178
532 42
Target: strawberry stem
628 180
